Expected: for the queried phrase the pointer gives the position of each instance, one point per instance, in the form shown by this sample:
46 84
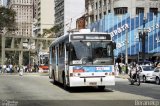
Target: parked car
156 75
146 72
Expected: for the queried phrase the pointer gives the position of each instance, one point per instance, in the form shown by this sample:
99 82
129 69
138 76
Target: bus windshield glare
91 52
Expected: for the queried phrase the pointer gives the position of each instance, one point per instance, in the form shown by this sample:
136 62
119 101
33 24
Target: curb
36 74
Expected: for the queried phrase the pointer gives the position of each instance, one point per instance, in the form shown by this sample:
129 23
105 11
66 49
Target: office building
24 16
128 21
66 14
43 16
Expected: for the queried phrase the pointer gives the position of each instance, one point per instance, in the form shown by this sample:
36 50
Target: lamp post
142 36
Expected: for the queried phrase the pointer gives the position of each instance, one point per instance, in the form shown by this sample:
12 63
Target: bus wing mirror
114 45
67 46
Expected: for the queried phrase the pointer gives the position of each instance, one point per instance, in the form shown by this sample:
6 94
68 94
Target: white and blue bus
82 59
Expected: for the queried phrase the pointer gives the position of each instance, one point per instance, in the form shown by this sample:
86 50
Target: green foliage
7 18
55 29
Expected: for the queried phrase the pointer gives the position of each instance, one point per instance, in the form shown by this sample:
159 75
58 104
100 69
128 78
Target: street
40 88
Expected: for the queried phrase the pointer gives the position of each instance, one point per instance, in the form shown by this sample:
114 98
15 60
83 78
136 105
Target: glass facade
120 26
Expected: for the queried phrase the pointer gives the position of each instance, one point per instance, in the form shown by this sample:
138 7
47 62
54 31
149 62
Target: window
96 5
53 51
100 3
154 10
96 17
104 2
104 13
100 16
139 10
120 10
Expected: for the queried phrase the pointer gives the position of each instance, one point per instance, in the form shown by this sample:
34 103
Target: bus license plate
93 83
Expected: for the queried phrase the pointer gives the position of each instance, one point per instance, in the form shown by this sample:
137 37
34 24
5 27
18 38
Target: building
1 3
24 16
66 14
128 21
97 9
43 16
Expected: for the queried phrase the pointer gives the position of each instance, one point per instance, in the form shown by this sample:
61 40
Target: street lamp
142 36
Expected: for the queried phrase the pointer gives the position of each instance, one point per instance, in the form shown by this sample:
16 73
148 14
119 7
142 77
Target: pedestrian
116 69
11 68
21 70
8 69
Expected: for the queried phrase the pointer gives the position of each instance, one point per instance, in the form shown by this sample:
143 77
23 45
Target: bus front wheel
101 87
64 81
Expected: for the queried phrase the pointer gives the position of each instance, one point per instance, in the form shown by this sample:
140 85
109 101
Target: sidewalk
124 76
40 74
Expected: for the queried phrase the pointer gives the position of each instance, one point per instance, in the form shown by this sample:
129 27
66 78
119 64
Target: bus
43 62
82 58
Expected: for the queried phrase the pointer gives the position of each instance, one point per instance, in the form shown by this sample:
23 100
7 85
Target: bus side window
53 52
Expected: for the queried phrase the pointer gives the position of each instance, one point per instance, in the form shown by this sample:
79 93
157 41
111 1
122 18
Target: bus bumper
99 81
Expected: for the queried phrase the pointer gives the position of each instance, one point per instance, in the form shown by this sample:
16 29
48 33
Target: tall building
97 9
43 15
1 3
24 16
66 14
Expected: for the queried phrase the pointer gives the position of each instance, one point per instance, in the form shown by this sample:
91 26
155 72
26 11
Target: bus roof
61 38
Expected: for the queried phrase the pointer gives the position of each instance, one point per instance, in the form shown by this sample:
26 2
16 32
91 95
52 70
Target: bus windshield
87 52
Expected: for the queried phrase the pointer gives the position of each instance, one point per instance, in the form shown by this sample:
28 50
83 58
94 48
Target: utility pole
126 57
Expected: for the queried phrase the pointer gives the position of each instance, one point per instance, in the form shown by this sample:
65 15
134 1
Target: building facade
66 14
127 21
1 3
43 16
24 16
97 9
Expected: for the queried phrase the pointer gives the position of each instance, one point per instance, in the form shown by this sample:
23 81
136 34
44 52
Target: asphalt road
38 90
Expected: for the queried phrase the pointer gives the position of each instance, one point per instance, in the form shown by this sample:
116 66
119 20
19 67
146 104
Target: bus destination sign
91 37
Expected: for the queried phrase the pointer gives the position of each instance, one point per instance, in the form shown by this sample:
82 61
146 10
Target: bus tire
64 81
53 77
101 87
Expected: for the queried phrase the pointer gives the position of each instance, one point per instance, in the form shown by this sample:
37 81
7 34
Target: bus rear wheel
54 80
101 87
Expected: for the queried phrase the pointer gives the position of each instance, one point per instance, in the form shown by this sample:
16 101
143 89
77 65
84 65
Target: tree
55 29
7 18
52 31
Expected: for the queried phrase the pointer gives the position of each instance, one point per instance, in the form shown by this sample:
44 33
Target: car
145 62
146 72
156 75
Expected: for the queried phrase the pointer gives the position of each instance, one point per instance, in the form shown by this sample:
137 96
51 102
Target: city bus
43 62
82 58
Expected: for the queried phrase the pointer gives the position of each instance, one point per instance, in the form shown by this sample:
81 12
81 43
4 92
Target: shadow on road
82 89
